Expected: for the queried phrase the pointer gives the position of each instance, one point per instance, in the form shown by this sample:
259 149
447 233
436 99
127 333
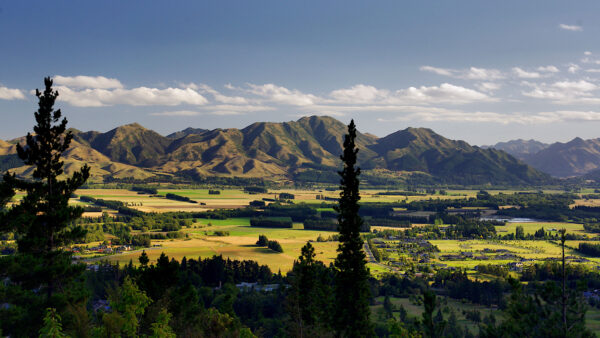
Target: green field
240 244
532 227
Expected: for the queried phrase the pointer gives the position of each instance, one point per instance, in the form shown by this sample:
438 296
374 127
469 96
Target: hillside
421 149
306 149
574 158
520 148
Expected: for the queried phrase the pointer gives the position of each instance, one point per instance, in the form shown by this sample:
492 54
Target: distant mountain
186 132
74 158
520 148
130 144
574 158
421 149
308 148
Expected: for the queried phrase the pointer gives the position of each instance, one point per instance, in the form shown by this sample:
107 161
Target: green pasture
240 244
532 227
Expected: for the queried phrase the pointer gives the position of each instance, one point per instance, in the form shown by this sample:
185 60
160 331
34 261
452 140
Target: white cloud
141 96
82 81
11 94
593 70
219 96
548 69
587 52
483 74
564 92
219 109
282 95
573 68
573 28
360 94
178 113
520 73
488 86
472 73
445 93
575 86
439 71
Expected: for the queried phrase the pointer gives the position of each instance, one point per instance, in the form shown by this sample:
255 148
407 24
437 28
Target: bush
145 190
328 224
590 249
286 196
221 233
141 240
179 198
255 190
270 223
275 246
262 240
257 204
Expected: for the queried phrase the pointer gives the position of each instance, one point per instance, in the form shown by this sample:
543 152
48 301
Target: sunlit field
240 244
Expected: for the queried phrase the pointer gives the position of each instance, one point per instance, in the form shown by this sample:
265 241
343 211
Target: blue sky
480 71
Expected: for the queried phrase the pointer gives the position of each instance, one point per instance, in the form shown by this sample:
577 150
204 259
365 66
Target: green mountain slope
305 149
421 149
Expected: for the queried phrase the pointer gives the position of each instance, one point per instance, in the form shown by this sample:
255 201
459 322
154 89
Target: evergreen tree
308 302
352 289
128 303
431 327
42 222
161 328
52 327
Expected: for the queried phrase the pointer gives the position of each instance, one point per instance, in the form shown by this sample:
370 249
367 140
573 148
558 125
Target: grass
532 227
240 244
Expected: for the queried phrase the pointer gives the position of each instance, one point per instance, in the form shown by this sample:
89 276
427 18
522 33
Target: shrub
286 196
179 198
255 190
257 204
262 240
270 223
275 246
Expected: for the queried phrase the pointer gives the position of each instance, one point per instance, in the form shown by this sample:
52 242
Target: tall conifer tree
352 288
43 218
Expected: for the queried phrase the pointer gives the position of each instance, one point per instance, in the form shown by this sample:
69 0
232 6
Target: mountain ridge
284 150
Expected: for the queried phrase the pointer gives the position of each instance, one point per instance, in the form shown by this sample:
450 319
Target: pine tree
352 289
52 327
42 221
42 218
161 328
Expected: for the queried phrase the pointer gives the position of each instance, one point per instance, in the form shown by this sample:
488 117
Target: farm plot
240 244
532 227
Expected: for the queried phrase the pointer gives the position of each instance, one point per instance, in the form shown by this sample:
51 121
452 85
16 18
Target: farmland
240 244
199 238
409 237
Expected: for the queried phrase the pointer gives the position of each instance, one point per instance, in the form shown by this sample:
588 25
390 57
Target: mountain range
308 147
574 158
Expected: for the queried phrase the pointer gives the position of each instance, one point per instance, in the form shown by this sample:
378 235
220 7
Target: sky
479 71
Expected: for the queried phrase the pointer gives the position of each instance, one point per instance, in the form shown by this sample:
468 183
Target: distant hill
306 149
186 132
520 148
574 158
421 149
